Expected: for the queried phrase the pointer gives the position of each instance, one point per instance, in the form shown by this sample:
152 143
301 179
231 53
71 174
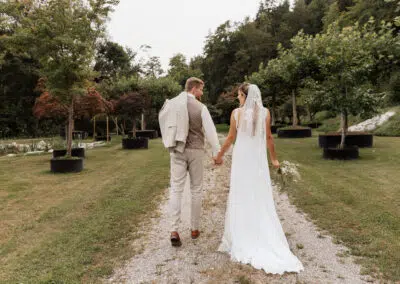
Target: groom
187 156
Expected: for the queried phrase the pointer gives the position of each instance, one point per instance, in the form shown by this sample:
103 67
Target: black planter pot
313 124
274 128
347 153
75 152
102 138
295 132
359 139
151 134
135 143
66 165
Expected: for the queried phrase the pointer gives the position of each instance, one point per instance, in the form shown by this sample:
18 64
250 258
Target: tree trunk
108 130
116 124
70 127
115 119
134 128
123 127
295 121
66 130
273 114
344 123
94 128
309 114
143 123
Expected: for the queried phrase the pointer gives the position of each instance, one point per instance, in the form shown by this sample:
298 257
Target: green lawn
356 201
222 128
73 228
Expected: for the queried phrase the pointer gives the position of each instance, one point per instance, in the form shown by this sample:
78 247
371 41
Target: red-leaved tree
87 106
130 106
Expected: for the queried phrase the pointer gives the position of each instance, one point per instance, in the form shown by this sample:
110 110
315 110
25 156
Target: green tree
272 86
180 71
347 60
158 90
152 68
113 60
63 34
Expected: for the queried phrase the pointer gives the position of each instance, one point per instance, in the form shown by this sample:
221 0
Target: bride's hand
276 164
218 160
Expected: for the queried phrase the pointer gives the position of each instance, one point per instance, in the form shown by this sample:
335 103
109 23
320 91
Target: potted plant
129 107
347 60
295 66
62 34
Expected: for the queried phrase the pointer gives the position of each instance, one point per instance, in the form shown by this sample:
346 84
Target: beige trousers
191 160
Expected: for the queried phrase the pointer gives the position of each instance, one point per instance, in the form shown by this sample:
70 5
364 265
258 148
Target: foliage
87 106
180 71
113 60
62 34
159 89
226 103
347 12
152 68
130 106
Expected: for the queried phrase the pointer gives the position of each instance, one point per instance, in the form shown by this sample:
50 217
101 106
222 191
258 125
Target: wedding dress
253 233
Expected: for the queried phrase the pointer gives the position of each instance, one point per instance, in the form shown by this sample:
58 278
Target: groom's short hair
193 82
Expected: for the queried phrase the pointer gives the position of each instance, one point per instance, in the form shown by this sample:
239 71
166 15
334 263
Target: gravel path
198 261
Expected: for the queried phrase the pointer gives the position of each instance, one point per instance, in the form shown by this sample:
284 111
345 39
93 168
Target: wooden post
107 130
94 128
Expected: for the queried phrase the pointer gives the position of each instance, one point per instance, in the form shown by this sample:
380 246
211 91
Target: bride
253 233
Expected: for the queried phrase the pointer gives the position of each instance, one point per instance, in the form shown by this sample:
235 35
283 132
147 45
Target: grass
222 128
356 201
390 127
74 228
333 124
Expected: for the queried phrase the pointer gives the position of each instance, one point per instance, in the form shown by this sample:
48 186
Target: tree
87 106
296 65
227 102
347 60
152 68
158 90
130 106
180 71
63 34
113 60
272 86
348 12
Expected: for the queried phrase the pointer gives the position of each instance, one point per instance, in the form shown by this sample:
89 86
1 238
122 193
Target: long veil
251 120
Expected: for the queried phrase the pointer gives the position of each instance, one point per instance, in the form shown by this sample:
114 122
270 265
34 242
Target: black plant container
75 152
61 165
135 143
151 134
301 132
359 139
347 153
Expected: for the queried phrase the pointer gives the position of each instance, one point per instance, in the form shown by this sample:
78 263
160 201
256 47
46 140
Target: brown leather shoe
175 239
195 234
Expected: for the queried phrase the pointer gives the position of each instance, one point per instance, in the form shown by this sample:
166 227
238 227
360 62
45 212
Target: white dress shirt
209 129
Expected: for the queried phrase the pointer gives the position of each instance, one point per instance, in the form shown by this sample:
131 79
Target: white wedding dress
253 233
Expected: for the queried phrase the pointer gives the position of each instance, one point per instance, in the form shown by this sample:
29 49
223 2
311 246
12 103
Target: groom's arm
210 131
